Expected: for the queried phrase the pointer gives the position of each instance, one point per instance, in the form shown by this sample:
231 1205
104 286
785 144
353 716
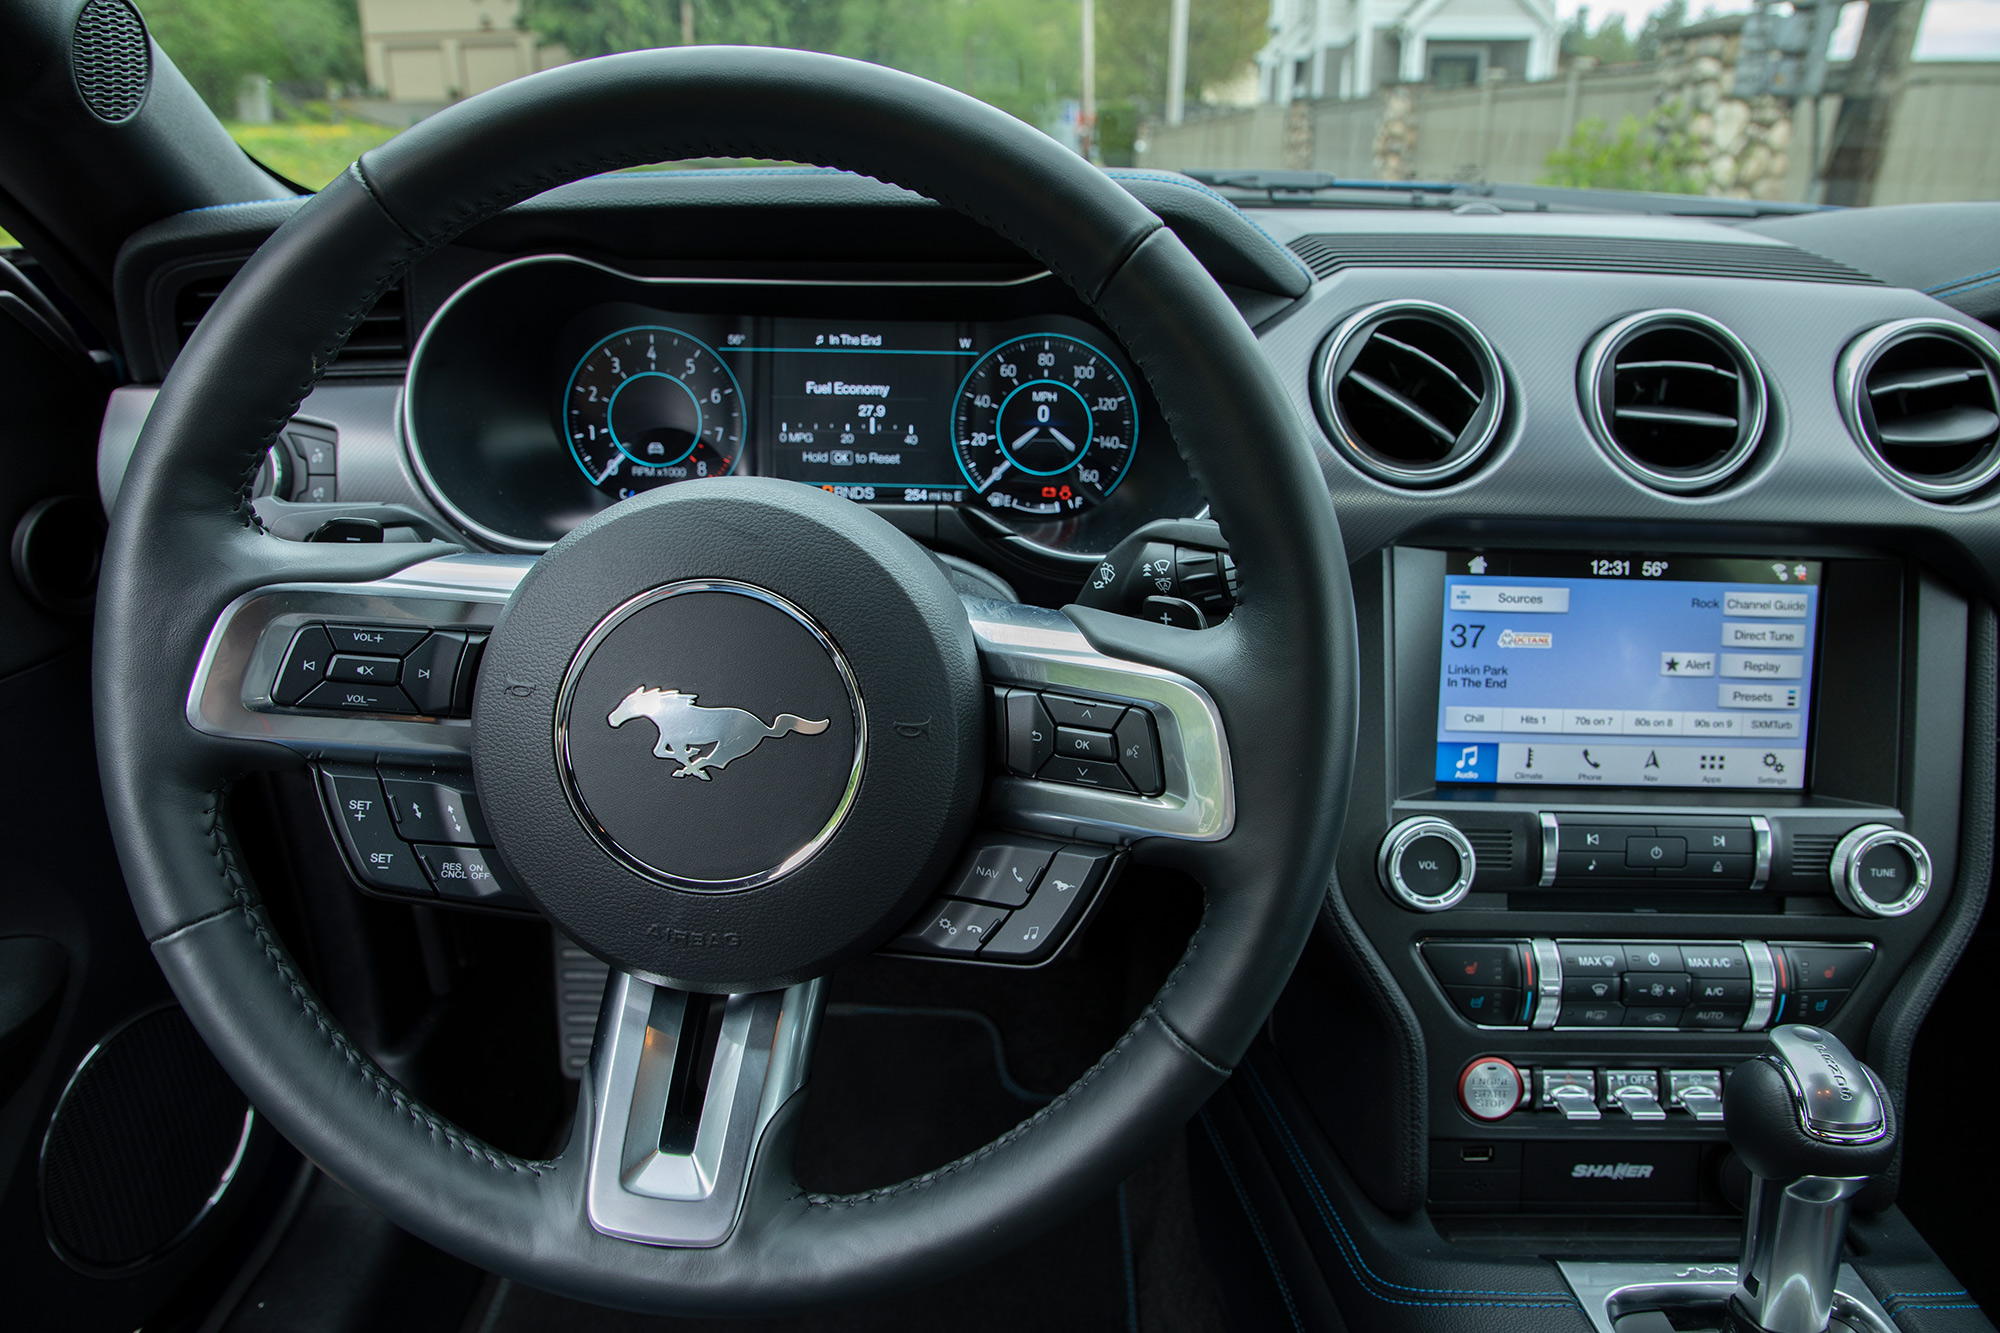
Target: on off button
1490 1088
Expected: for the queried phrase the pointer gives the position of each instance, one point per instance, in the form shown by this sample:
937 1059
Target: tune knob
1426 864
1880 871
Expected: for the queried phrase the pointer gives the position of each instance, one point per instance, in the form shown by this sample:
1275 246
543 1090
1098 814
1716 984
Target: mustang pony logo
703 738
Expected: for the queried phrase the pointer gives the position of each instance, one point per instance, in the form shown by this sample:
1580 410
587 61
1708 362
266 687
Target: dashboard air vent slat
380 342
1923 395
1674 398
1492 848
1409 392
1812 854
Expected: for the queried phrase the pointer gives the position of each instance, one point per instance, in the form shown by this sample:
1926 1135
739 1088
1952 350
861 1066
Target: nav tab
1733 695
1687 664
1737 635
1764 666
1766 602
1474 719
1495 597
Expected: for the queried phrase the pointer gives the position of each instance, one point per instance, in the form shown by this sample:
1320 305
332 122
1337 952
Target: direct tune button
1426 864
1490 1089
1880 871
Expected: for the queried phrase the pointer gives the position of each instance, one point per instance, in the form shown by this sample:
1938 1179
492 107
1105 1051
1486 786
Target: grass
307 152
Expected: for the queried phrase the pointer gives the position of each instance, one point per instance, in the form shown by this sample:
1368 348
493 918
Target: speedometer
1045 425
652 405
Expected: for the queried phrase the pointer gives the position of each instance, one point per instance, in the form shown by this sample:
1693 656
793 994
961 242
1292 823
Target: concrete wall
1943 144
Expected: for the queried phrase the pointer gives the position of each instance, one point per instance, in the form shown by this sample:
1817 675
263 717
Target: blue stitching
1960 291
1989 273
1250 1215
1131 1274
1189 183
1908 1295
1331 1218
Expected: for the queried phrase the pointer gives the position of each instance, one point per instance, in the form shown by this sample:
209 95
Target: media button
1597 837
1595 866
1736 635
1659 853
1764 666
1768 697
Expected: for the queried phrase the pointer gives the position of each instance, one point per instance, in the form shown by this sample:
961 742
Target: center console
1618 814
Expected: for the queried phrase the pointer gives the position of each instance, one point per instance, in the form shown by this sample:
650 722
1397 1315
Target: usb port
1476 1152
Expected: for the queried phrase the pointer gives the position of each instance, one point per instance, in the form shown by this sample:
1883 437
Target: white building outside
1348 48
441 50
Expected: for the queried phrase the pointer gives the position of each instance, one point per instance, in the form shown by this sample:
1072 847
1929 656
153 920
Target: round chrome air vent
1921 396
1409 392
1674 398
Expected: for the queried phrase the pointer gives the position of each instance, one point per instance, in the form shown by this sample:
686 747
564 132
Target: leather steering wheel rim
184 544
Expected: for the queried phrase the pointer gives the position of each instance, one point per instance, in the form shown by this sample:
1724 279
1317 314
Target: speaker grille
145 1140
111 59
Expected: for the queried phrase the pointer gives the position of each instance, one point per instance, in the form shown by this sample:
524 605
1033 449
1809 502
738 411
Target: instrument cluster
551 387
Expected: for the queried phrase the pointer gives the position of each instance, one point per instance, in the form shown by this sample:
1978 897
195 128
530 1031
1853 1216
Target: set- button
416 834
1079 741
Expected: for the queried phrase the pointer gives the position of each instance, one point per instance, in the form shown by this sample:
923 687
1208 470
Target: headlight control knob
1426 864
1880 871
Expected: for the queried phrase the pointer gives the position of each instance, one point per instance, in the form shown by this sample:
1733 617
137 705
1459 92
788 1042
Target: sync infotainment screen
1626 670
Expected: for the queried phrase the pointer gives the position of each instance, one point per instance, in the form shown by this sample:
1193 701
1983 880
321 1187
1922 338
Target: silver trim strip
1763 985
1551 840
1548 984
1760 874
1851 382
1591 370
634 1189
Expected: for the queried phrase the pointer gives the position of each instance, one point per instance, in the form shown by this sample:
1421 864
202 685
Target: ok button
1663 853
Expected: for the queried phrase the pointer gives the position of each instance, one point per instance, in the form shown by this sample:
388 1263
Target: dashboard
550 387
1673 545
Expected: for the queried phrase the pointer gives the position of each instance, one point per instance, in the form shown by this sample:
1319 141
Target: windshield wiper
1320 189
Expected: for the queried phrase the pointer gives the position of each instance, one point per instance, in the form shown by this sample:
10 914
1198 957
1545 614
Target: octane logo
699 739
1611 1171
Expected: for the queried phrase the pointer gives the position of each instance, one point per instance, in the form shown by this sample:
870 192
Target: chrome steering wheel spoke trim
1036 648
683 1088
1025 646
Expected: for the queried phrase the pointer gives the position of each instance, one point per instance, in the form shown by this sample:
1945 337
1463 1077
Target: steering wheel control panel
386 669
1729 985
1013 900
416 834
1082 742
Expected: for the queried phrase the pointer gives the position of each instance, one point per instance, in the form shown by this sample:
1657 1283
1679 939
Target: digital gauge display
1041 423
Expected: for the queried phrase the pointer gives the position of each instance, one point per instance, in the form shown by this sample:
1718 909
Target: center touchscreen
1626 670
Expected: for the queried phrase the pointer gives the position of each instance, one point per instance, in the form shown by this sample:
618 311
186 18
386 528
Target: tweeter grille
111 59
146 1138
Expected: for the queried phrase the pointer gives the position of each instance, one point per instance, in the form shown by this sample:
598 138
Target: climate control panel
1676 985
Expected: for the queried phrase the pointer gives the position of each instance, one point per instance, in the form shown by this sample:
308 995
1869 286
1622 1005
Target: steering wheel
830 841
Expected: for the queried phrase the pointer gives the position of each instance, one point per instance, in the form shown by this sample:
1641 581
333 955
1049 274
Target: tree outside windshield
1814 101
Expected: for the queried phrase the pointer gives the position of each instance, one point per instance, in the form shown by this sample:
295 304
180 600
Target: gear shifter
1812 1123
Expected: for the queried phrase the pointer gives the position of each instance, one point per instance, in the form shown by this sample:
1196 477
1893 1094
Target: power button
1490 1088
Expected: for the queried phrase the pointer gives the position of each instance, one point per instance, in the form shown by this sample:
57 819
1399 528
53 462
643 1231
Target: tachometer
652 405
1045 425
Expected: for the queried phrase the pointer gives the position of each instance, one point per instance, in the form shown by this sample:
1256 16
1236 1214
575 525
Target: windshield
1292 101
